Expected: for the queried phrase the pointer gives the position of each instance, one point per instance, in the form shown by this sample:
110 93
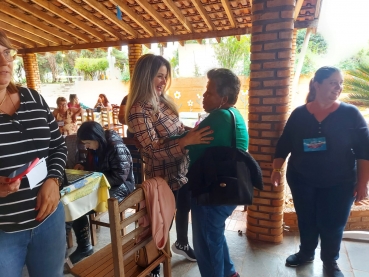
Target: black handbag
225 175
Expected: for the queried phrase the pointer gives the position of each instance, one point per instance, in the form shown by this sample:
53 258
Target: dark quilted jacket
117 166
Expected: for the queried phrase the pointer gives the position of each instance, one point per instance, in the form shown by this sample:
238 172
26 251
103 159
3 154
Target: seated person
64 117
102 102
106 153
75 105
122 114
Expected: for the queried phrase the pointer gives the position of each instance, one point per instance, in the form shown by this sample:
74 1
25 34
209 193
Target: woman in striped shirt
32 222
154 120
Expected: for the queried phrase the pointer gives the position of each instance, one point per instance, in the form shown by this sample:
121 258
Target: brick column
271 49
134 53
293 58
32 73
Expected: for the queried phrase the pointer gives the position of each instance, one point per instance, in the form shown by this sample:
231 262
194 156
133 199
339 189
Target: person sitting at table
102 102
65 117
75 105
106 153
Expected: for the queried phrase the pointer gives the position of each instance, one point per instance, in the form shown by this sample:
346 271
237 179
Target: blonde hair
142 87
4 41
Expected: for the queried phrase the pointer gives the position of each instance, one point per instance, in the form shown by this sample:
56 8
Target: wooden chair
90 115
138 172
117 259
115 118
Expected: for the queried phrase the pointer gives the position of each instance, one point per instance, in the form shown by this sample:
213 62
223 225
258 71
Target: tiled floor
260 259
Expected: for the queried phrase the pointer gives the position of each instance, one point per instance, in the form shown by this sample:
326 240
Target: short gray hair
227 83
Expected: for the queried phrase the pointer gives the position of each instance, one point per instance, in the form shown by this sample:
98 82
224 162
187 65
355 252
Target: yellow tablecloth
91 193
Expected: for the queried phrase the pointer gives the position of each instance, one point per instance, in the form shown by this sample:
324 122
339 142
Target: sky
344 25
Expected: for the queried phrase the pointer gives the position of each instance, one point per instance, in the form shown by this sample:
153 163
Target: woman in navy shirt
328 168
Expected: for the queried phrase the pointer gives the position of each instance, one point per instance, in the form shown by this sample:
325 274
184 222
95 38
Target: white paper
37 174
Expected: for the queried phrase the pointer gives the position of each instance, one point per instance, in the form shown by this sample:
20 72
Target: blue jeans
210 245
321 212
42 249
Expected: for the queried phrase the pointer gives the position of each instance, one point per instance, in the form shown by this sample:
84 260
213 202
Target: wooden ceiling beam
228 10
204 14
177 13
17 44
238 38
70 18
199 41
192 36
93 19
218 39
51 20
134 16
21 29
297 9
156 16
21 39
181 42
35 23
148 45
102 9
164 44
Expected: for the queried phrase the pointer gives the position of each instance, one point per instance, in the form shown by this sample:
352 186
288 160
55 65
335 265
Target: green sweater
220 121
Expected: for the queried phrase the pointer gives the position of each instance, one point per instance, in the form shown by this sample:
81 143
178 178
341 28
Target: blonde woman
154 120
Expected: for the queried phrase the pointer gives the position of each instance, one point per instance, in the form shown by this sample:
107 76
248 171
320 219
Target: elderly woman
328 168
208 222
65 117
106 153
32 218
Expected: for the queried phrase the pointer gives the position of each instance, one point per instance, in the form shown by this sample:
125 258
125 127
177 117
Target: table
90 193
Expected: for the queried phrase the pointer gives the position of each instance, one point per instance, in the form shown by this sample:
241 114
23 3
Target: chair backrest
76 151
79 120
105 118
138 164
90 115
125 247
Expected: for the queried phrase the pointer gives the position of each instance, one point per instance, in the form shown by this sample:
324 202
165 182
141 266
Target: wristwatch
57 180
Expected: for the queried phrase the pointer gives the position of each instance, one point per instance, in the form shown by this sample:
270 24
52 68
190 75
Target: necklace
2 102
15 109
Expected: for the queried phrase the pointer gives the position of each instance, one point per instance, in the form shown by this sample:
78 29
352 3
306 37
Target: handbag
225 175
147 254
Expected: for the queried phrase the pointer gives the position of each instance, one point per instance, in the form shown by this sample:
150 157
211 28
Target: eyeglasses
9 54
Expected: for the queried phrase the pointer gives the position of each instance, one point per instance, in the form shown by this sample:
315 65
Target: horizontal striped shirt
162 157
31 132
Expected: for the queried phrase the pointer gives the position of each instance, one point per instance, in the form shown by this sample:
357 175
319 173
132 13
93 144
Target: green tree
317 43
357 85
91 67
121 59
174 63
231 53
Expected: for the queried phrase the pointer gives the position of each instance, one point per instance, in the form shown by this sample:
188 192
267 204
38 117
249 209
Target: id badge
315 144
60 123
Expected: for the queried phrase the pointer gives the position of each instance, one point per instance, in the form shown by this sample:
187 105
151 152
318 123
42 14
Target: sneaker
235 275
298 259
184 250
332 270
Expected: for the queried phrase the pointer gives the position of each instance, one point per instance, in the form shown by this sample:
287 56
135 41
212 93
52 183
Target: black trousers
183 205
321 212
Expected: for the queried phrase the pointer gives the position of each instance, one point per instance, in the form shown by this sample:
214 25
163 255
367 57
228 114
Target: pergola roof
52 25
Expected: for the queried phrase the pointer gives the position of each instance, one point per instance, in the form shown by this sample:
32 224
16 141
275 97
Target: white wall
201 54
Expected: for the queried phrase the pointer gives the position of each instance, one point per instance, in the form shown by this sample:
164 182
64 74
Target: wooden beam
199 41
164 44
192 36
93 19
318 6
134 16
21 29
177 13
297 9
51 20
148 45
238 38
70 18
218 39
306 24
228 10
250 1
156 16
204 14
102 9
181 42
35 23
16 43
21 39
